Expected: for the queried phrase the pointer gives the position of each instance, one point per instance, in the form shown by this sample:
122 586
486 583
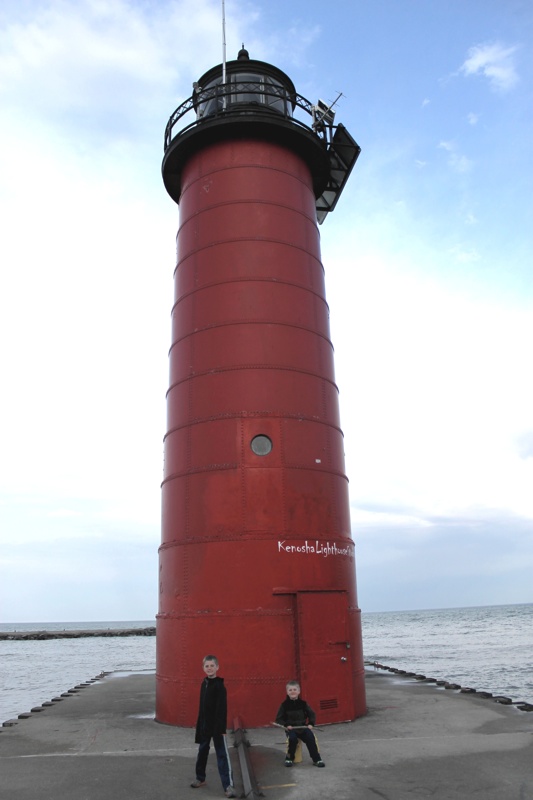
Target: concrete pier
417 741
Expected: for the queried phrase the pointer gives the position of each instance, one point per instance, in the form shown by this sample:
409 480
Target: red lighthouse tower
257 559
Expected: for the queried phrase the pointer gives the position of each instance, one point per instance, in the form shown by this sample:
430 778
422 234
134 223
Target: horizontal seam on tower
255 240
232 612
226 467
220 242
274 281
235 679
206 468
249 202
250 322
220 370
257 535
251 415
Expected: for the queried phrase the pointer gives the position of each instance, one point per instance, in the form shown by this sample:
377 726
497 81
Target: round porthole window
261 445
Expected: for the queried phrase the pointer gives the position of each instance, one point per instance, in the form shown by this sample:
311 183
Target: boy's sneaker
197 783
288 762
230 792
319 763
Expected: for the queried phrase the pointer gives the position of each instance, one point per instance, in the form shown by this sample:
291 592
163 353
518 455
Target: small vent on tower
327 704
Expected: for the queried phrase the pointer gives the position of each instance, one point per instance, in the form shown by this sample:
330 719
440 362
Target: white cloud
370 518
495 62
473 118
461 163
104 69
458 162
433 389
524 443
465 255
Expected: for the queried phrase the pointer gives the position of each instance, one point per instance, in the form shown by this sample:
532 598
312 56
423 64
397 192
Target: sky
428 260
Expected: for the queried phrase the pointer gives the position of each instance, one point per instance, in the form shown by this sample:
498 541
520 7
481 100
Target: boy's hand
310 727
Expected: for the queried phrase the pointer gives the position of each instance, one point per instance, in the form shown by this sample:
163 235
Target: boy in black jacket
298 718
211 724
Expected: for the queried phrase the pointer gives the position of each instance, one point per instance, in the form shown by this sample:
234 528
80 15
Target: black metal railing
245 97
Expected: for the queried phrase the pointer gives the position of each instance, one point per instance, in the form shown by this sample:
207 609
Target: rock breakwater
79 634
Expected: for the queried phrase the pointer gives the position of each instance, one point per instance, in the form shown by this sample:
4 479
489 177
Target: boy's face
293 692
210 668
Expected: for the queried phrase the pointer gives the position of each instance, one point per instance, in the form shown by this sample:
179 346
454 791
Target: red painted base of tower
256 562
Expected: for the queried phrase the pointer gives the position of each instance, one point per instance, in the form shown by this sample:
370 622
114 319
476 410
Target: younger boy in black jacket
298 718
212 716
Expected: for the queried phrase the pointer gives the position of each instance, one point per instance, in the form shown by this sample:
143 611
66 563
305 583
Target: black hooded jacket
295 713
212 714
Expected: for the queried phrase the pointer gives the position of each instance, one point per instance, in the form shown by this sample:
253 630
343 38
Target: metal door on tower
325 654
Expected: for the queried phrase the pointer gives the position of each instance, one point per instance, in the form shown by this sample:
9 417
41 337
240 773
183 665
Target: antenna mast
223 42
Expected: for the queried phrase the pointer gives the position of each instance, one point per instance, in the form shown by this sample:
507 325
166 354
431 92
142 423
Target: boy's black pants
308 738
223 759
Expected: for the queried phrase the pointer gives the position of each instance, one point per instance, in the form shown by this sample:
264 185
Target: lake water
486 648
